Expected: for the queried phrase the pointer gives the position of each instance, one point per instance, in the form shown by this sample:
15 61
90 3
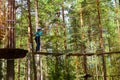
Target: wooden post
11 38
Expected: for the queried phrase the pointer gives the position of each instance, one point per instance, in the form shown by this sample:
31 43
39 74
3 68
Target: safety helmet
39 28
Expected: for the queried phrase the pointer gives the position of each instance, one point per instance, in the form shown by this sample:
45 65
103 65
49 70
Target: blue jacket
38 34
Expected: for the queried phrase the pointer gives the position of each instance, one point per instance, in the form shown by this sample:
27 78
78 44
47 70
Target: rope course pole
11 39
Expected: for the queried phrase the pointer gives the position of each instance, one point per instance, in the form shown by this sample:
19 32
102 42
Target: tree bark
37 59
2 20
119 2
64 26
30 45
101 41
84 63
117 18
36 14
11 38
18 65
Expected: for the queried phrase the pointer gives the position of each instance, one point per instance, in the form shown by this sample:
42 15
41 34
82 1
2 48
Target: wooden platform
12 53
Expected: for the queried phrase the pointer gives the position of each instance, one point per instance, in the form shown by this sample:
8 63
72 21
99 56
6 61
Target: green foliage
53 39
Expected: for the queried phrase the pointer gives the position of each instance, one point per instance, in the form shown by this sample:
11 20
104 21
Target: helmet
39 28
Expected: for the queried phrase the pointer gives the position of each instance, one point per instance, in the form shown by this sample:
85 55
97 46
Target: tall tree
30 43
37 62
64 26
83 46
11 38
36 14
101 47
117 18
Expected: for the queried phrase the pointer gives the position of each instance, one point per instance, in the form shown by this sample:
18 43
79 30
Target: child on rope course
37 38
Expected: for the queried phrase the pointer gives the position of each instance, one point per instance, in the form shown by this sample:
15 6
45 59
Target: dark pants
37 40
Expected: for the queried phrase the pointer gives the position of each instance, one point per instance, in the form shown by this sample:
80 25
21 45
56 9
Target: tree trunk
119 3
64 27
101 41
36 14
56 45
67 69
18 65
11 38
117 19
65 37
25 77
37 59
77 67
30 45
57 76
83 46
2 30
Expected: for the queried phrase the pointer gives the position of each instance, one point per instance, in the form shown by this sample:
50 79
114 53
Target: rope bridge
68 55
75 54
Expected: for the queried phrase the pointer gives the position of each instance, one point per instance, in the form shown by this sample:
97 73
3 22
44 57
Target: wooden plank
47 53
91 54
76 54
